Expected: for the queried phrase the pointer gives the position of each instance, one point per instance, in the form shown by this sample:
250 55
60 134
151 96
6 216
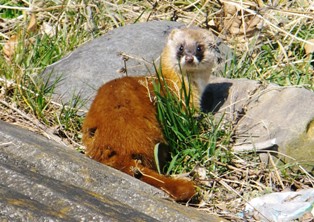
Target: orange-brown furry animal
121 128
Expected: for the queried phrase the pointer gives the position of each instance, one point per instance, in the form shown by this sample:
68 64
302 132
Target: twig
233 190
267 21
14 7
293 159
41 127
276 171
265 145
66 134
5 144
199 12
10 82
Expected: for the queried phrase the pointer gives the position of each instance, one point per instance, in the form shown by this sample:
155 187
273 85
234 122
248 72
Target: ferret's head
190 50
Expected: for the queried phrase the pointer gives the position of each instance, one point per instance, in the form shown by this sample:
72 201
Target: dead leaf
10 46
309 48
32 25
200 172
48 29
229 10
233 21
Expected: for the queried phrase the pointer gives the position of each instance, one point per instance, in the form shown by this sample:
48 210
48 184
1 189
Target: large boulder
283 116
130 50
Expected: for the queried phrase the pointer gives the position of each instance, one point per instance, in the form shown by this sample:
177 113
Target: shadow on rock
215 96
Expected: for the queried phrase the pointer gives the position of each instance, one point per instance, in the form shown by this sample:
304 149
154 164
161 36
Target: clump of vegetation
272 43
192 136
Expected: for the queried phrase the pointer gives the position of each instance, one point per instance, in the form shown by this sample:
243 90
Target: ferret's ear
173 32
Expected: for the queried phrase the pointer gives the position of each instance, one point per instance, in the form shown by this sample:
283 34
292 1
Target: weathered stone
42 180
85 69
264 112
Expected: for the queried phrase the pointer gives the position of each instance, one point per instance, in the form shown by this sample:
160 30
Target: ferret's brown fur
121 127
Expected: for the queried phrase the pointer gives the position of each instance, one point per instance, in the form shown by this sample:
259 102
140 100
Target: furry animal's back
122 123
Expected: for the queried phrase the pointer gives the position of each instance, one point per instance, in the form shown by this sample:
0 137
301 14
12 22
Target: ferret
121 127
193 53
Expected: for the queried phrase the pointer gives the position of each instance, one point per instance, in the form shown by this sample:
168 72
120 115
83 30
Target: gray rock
262 113
85 69
42 180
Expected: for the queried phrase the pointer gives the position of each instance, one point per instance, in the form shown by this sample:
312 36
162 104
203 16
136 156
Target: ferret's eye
199 48
181 48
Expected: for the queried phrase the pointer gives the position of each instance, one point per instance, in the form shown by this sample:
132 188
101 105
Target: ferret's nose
189 59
